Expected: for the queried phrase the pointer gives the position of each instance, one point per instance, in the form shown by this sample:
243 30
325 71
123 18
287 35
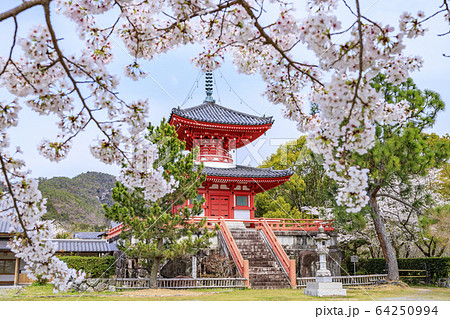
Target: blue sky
172 76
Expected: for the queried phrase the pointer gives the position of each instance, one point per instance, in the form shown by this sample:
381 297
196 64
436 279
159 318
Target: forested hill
77 202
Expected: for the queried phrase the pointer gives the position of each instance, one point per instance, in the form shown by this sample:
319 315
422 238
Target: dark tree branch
9 186
271 42
21 8
16 27
419 212
46 6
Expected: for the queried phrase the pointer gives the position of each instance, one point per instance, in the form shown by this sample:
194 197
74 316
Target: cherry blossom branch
16 27
400 200
361 54
446 8
46 6
268 39
10 190
21 8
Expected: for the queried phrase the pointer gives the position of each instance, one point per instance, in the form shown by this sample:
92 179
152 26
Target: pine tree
401 151
153 232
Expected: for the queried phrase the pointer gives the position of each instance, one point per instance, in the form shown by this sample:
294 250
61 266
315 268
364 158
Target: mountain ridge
77 203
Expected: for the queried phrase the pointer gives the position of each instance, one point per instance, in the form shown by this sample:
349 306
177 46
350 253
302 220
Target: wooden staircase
264 270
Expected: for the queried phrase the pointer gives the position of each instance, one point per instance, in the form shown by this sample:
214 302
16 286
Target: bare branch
16 27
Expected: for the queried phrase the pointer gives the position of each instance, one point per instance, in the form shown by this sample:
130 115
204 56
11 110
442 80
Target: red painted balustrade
287 264
274 223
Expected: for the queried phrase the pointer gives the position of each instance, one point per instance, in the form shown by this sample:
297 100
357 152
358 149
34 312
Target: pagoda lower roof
214 113
241 171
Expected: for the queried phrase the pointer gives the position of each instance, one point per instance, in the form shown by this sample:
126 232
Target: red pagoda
229 189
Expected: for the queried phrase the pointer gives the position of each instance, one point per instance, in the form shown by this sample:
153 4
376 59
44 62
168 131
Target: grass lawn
372 293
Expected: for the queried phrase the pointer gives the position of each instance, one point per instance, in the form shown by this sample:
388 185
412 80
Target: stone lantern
324 285
322 251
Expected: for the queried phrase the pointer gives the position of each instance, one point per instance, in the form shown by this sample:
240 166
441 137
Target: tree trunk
155 266
154 273
385 243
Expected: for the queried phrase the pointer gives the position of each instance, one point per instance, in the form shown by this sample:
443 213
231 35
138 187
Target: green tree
443 183
436 227
401 151
308 186
279 208
154 233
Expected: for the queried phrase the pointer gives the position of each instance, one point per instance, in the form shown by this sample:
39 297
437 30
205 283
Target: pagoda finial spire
209 87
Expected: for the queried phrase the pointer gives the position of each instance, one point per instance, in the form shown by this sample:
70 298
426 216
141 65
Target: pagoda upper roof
214 113
246 172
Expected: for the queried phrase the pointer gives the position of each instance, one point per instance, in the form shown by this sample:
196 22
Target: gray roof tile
246 171
4 227
88 235
84 245
72 245
213 113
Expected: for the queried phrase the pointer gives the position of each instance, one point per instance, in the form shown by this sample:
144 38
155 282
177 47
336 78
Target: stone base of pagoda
324 287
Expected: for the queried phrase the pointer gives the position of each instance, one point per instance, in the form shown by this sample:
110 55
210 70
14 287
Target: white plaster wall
6 277
241 214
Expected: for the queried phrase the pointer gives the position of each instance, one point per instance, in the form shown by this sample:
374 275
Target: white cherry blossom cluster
411 25
141 173
134 71
31 245
9 114
54 151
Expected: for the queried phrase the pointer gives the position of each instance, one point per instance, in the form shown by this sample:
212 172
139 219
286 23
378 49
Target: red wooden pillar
207 185
232 186
252 205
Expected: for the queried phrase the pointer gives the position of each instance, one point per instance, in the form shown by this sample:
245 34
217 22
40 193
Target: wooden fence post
247 273
16 272
292 273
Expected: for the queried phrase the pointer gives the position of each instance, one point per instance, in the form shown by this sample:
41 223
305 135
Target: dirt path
422 294
162 293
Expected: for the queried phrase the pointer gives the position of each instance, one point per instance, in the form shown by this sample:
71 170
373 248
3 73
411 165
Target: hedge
437 267
96 267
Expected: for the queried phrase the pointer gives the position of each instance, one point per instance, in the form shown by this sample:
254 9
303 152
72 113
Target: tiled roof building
214 113
229 189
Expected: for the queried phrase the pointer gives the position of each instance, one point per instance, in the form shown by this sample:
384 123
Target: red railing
113 232
286 263
299 224
274 224
241 264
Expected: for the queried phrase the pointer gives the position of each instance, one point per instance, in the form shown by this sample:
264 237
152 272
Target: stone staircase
265 272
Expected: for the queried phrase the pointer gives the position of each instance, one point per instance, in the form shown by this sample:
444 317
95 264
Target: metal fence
360 280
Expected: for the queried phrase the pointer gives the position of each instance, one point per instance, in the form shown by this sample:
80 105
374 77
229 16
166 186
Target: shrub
96 267
437 267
